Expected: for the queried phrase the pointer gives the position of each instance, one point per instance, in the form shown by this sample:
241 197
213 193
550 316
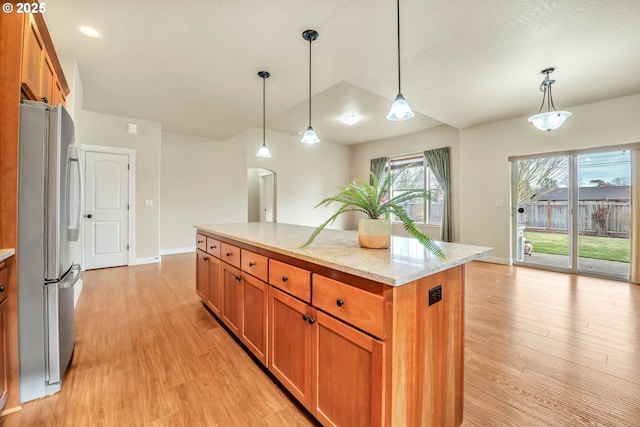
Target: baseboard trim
495 260
148 260
174 251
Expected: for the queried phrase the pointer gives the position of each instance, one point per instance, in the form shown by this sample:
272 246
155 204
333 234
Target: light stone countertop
405 261
6 253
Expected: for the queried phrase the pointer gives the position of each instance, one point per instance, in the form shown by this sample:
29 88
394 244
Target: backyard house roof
606 193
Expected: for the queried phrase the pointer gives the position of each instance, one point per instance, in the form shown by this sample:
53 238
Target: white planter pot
374 233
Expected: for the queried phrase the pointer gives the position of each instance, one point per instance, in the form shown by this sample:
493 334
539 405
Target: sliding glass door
604 206
573 213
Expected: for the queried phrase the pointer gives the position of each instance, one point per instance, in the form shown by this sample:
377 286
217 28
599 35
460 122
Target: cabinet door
58 93
32 53
215 286
348 375
254 322
46 81
232 283
202 275
290 337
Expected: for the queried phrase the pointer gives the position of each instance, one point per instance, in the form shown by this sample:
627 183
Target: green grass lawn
612 249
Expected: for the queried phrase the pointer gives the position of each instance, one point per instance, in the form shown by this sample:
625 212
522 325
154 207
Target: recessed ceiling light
350 119
90 31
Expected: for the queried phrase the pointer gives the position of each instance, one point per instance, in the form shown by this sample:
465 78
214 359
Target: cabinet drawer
213 247
293 280
201 242
355 306
230 254
255 264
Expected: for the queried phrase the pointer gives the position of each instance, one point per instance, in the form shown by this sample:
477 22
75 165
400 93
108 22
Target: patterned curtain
439 162
377 167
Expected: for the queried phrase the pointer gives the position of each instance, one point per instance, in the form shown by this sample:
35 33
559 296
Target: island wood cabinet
335 371
353 351
233 294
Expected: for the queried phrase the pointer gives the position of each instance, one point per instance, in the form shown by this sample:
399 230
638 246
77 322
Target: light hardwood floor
542 349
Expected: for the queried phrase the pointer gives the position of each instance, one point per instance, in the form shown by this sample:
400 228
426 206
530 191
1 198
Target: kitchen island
371 337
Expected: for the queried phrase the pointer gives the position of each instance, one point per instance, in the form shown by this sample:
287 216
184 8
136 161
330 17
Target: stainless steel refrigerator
49 214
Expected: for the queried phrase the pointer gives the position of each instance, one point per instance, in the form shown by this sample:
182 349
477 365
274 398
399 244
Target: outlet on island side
435 295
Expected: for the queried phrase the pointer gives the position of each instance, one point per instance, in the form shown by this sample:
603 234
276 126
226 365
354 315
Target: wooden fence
610 219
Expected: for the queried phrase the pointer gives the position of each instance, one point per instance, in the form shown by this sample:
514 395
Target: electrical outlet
435 295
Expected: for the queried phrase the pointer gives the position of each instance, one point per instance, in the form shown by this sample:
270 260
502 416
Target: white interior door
106 209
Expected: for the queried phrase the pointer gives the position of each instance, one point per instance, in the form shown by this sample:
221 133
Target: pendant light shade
552 119
264 151
310 136
400 109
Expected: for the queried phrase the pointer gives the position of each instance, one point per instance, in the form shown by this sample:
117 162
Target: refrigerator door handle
74 228
74 276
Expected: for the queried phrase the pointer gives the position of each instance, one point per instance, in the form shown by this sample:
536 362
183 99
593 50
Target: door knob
89 216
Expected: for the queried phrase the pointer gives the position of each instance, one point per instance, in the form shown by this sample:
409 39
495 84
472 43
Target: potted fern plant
374 201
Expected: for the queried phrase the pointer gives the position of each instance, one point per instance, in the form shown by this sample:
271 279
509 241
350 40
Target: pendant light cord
398 22
310 81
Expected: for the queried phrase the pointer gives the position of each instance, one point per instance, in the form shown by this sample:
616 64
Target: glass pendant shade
550 120
263 151
400 109
310 136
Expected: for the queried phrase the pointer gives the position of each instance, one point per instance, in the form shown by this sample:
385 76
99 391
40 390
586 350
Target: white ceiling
192 65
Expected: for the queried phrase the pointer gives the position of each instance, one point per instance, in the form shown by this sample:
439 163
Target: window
417 176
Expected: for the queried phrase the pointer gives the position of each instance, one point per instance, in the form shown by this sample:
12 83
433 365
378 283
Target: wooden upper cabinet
32 58
41 74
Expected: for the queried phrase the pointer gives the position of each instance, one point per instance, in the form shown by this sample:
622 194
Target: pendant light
310 136
552 119
400 109
264 151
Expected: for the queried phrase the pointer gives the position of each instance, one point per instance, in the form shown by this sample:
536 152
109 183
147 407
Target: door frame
131 232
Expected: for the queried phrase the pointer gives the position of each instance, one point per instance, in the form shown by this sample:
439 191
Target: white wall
485 172
202 182
109 130
437 137
305 174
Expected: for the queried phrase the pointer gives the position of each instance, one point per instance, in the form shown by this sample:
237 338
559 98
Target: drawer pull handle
212 247
229 253
285 278
251 263
238 278
311 320
340 302
305 317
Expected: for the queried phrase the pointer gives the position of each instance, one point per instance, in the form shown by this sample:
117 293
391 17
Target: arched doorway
262 195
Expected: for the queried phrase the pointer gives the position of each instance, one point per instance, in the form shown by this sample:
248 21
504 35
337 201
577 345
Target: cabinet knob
199 241
340 302
311 320
229 254
205 258
285 278
305 317
212 247
238 278
1 288
251 264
